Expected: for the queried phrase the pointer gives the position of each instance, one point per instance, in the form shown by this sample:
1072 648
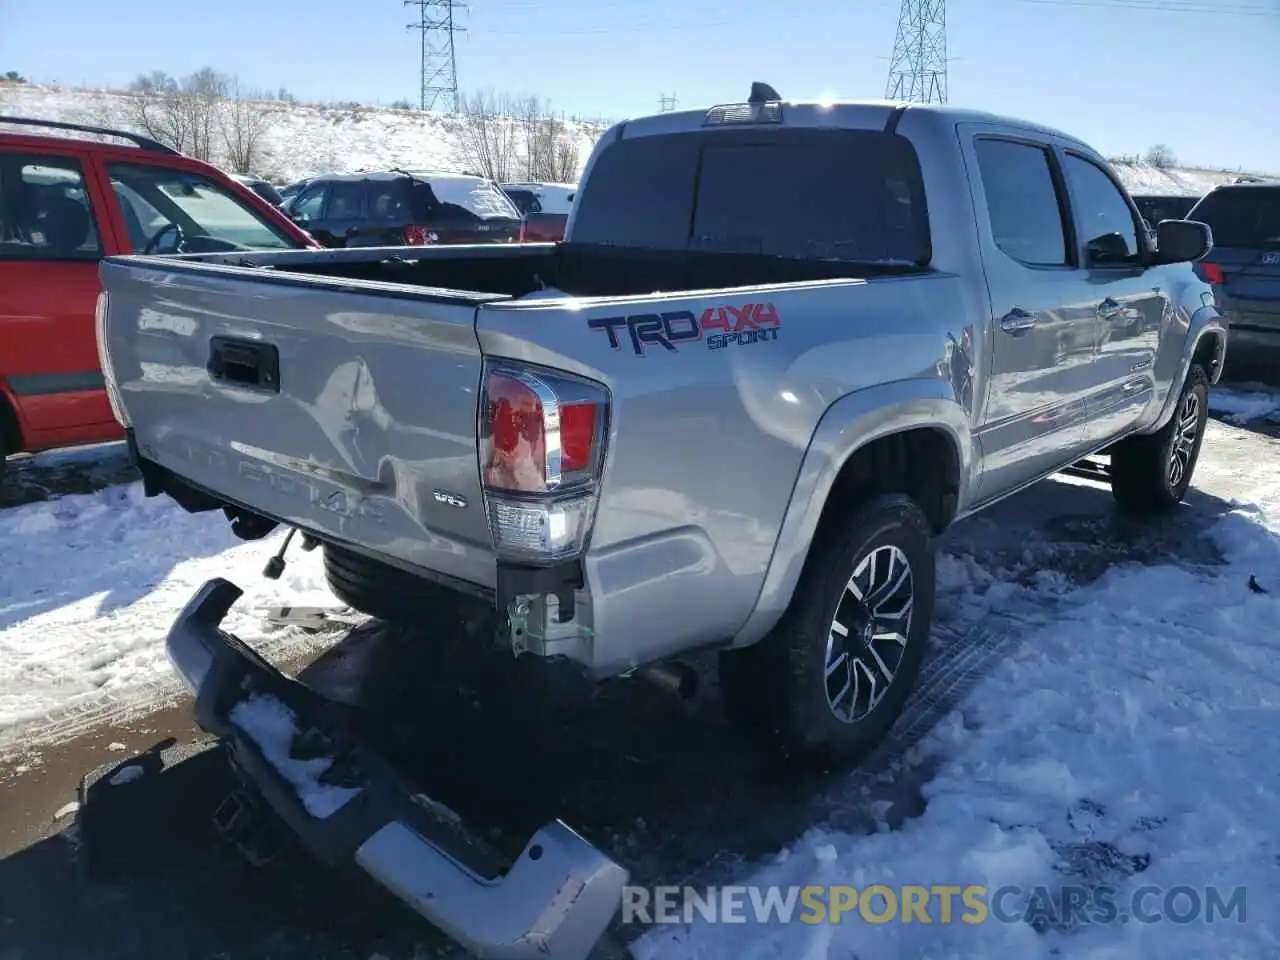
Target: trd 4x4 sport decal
718 327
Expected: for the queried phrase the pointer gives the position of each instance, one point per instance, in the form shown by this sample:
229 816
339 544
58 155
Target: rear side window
1241 216
389 201
44 210
346 200
1022 202
806 194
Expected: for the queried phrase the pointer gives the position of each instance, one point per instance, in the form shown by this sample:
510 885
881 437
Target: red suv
65 204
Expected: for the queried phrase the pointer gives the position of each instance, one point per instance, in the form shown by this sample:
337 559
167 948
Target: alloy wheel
868 635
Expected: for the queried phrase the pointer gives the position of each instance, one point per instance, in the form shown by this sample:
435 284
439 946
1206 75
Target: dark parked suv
400 207
1157 207
1244 266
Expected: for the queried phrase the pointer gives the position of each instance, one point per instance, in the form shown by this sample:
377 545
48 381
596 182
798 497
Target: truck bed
338 391
580 270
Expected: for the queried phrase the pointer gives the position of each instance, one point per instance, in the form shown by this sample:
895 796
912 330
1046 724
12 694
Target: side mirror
1182 241
1108 248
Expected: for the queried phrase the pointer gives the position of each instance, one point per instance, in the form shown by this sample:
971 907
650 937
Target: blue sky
1200 75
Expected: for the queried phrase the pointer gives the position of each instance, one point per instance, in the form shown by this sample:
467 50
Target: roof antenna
762 93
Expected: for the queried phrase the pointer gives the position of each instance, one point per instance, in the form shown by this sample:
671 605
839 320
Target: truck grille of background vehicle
541 450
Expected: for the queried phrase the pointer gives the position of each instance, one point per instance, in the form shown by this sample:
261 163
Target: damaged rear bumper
555 901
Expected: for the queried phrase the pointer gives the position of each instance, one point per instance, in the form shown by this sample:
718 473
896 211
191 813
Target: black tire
1143 478
390 594
780 689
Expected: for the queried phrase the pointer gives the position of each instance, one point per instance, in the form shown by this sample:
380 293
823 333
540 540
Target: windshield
1241 216
478 197
850 195
172 211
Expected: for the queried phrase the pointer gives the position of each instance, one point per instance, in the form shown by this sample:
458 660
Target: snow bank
1127 743
91 584
1240 404
302 140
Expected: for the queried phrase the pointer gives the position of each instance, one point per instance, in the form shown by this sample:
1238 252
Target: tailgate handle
244 363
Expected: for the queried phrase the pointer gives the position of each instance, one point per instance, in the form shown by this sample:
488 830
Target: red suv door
53 232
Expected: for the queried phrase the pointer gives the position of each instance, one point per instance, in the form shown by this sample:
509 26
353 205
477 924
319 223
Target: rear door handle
244 363
1017 320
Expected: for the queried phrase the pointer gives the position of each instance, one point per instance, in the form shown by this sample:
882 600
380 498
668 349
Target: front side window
173 211
1103 215
308 204
44 210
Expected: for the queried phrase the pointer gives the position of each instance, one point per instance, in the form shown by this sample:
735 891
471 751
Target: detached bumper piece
350 808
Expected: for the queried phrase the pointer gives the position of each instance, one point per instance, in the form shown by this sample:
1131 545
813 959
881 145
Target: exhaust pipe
674 677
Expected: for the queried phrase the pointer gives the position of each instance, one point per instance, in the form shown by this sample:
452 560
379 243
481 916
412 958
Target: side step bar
348 807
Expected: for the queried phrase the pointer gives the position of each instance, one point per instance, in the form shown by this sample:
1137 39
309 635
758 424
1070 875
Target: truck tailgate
342 410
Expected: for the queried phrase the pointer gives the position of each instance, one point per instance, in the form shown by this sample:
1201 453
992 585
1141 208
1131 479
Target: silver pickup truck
782 346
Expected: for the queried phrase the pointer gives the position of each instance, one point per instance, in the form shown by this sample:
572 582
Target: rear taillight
541 450
418 236
1213 274
104 359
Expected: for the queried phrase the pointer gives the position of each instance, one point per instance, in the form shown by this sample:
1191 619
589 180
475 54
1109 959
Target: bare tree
1161 156
154 109
202 96
564 168
180 114
245 121
487 138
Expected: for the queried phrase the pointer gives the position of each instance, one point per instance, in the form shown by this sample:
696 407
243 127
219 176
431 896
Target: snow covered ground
1117 737
1122 747
301 140
1244 402
306 139
91 583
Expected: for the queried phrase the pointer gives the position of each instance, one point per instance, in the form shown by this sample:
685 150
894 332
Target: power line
439 61
918 67
1170 6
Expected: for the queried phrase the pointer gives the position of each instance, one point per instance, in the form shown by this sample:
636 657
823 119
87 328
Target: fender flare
846 426
1205 322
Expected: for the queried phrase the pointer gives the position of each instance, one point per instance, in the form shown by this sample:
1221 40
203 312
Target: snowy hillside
305 139
301 140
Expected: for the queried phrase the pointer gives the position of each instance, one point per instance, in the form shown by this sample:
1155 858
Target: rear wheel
1151 474
828 682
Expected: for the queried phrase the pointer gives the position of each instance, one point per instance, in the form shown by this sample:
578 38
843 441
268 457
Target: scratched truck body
782 347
